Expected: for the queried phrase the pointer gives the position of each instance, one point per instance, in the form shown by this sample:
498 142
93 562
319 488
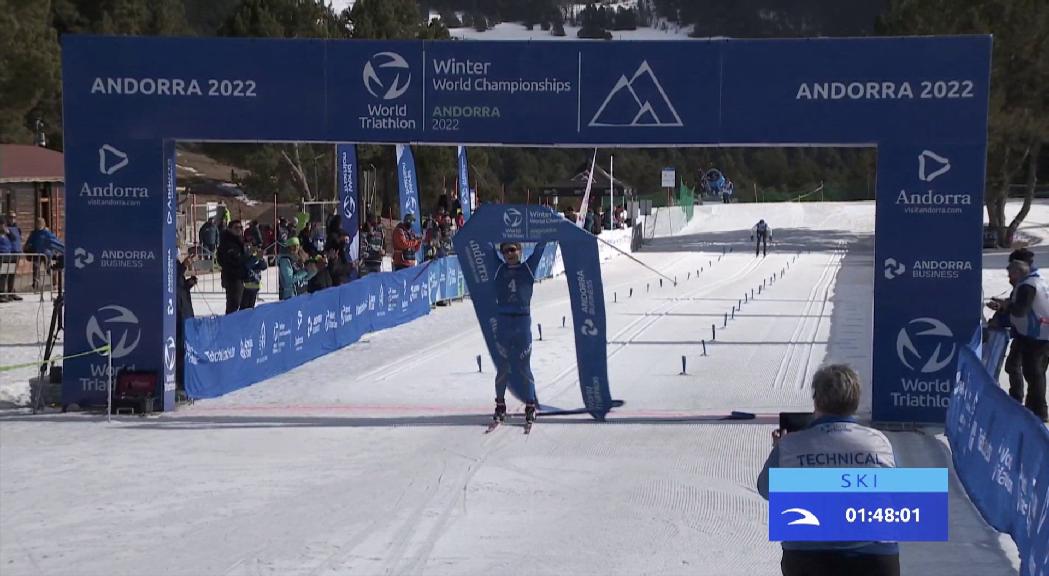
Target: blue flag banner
226 353
858 504
464 183
349 198
1001 455
408 186
476 246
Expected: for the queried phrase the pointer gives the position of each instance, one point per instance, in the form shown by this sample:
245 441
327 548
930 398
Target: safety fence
686 199
664 221
1001 455
23 274
816 194
227 353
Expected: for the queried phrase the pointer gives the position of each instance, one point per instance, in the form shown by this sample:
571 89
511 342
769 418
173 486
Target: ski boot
529 417
500 410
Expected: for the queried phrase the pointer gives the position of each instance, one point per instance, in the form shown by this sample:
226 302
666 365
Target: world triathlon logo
512 218
119 322
387 76
926 345
349 207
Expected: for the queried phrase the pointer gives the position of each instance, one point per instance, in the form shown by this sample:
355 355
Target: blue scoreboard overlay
858 504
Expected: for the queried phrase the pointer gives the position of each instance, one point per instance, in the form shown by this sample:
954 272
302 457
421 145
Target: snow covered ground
371 460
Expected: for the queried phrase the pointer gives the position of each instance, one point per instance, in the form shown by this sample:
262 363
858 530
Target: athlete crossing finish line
513 329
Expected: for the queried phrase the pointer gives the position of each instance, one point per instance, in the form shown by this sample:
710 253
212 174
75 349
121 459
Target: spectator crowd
314 255
39 247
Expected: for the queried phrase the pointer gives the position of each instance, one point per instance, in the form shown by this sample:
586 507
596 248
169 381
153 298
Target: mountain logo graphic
637 102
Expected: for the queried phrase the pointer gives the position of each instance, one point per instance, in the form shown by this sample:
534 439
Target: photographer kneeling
833 440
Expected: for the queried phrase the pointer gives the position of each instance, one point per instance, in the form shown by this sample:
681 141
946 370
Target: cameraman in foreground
833 439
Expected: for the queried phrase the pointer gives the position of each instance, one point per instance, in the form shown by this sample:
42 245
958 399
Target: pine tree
29 65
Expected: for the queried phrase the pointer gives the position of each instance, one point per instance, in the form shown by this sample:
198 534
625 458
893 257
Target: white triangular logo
924 164
106 155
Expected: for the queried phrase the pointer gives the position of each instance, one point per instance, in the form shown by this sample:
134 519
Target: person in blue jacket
514 280
289 274
5 262
42 241
14 234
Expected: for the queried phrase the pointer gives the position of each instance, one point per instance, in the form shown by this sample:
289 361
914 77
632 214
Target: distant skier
763 233
513 330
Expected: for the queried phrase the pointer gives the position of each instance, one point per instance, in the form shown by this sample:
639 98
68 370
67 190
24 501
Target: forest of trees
30 86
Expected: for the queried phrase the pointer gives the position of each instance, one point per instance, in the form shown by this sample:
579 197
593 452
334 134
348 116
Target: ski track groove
649 320
393 369
800 340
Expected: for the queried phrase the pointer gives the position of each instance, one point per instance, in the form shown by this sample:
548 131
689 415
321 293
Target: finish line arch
921 101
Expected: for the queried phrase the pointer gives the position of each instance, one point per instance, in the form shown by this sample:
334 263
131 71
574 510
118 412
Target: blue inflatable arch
921 101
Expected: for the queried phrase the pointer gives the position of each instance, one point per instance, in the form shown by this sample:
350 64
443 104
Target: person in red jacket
405 244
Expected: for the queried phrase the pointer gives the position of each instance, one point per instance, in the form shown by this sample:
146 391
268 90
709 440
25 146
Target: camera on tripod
58 262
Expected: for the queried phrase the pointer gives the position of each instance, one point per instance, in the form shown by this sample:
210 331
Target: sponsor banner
1001 455
121 186
378 88
476 246
928 280
169 266
822 90
201 88
227 353
349 196
746 91
408 188
465 199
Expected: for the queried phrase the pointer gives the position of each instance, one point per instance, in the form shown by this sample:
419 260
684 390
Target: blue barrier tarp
1001 456
226 353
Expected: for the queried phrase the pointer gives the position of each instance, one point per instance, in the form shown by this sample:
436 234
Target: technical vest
1036 323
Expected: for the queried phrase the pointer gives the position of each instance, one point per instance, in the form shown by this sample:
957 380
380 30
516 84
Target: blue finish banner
226 353
1001 455
857 517
921 101
464 183
476 245
349 198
